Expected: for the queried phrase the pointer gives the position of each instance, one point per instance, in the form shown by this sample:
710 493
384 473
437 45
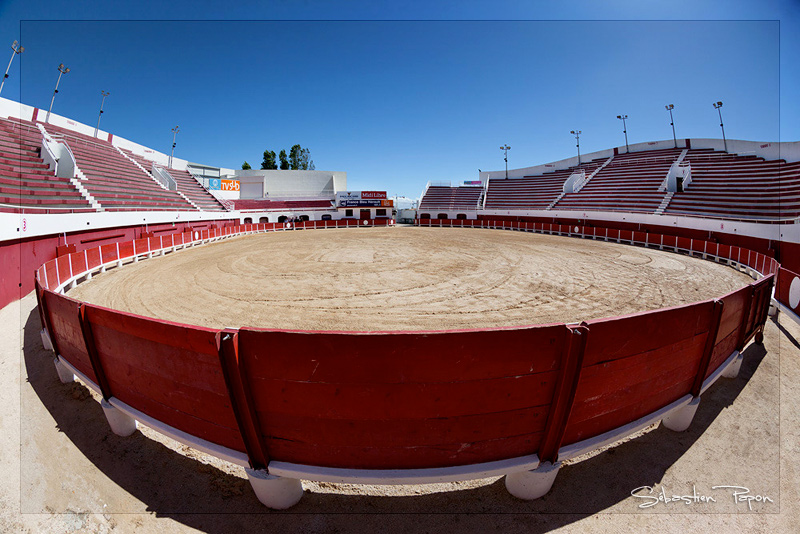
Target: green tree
298 158
269 161
284 161
246 166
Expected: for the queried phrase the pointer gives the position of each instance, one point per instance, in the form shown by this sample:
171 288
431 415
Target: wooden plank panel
126 249
51 274
684 243
446 432
77 261
639 237
402 357
63 316
62 264
612 385
626 414
402 401
616 338
93 257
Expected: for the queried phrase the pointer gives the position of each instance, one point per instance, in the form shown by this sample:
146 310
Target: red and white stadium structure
397 407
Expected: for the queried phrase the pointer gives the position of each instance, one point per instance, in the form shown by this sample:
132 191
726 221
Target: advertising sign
230 185
360 198
215 184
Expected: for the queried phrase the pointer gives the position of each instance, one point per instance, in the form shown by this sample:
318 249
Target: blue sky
397 95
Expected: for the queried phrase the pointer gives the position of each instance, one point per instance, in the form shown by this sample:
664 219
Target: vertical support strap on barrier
48 323
748 305
708 349
241 398
91 350
564 394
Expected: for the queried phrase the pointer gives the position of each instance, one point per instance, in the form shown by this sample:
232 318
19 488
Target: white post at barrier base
680 419
275 492
64 374
120 423
732 371
529 485
46 342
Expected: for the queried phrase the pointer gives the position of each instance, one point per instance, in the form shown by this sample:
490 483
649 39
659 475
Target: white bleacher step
664 203
148 173
582 184
553 203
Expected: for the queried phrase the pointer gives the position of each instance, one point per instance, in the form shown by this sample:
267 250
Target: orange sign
229 185
387 203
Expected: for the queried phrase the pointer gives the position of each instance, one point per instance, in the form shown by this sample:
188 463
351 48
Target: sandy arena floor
405 279
63 470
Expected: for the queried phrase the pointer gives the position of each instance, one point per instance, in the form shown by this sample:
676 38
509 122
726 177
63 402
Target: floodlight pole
625 131
61 70
670 107
16 50
174 134
577 134
505 149
718 107
105 94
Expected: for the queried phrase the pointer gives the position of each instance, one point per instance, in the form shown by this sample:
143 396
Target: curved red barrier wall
402 400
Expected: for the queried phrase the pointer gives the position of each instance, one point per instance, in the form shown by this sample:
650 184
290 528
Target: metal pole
625 131
670 107
105 94
505 149
174 134
61 70
16 50
718 107
577 134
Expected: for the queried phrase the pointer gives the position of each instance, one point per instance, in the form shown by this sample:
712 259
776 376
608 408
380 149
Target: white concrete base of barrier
64 373
275 492
529 485
680 419
121 424
46 343
732 371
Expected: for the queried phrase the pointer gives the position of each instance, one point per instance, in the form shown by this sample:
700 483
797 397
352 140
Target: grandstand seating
186 185
26 182
738 186
438 197
535 192
112 179
629 182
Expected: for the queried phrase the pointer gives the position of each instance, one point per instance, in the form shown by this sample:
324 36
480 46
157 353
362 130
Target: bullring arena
533 370
406 279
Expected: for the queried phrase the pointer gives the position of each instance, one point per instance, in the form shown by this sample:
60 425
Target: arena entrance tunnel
345 407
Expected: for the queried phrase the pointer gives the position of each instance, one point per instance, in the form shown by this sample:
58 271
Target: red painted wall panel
63 314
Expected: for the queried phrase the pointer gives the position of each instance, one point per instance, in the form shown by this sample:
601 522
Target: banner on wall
218 184
360 198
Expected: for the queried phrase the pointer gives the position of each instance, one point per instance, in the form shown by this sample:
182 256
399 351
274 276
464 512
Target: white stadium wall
289 184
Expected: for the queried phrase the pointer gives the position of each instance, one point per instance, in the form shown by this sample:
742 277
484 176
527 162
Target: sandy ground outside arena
405 279
64 471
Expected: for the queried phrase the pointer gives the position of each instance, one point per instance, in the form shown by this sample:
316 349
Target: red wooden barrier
66 332
167 370
402 400
63 268
635 365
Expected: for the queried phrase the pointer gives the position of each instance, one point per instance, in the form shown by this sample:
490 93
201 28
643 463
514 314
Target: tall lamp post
625 131
61 70
505 149
105 94
718 107
670 107
16 50
577 134
174 133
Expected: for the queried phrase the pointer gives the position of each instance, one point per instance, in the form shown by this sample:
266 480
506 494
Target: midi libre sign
362 199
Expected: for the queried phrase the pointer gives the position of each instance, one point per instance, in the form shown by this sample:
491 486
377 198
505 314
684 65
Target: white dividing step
148 173
553 203
580 185
77 178
664 203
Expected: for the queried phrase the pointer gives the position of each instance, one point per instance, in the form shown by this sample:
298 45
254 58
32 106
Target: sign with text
217 184
351 198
